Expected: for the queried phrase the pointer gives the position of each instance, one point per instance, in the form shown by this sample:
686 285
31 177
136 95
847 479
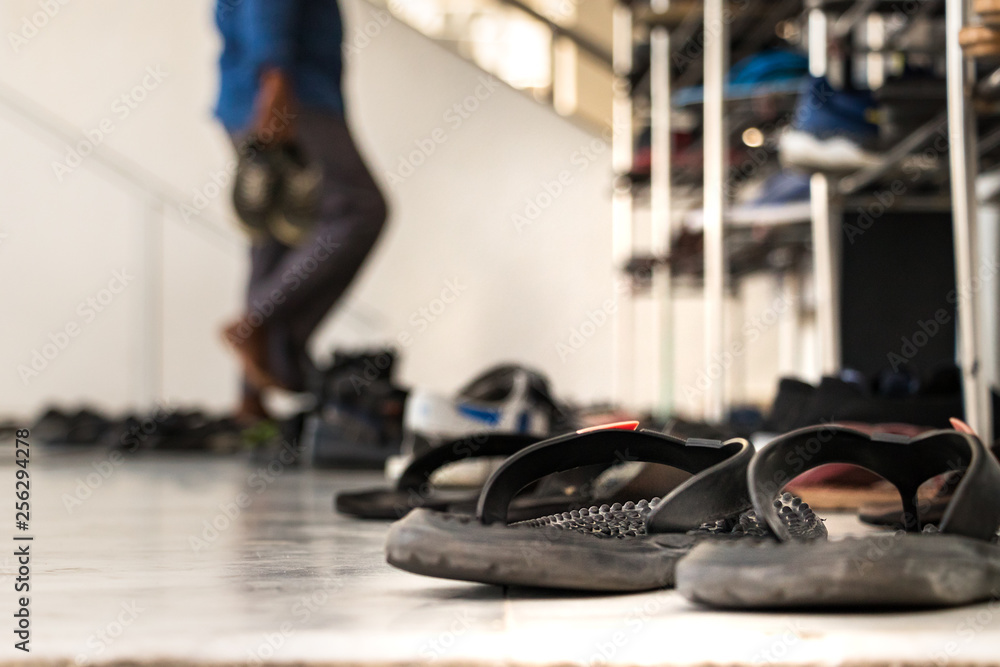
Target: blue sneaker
507 398
782 198
832 130
767 73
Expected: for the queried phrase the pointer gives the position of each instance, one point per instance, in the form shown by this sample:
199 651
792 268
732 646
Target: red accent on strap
620 426
961 426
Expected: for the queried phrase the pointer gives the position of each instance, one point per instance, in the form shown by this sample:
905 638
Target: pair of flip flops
727 536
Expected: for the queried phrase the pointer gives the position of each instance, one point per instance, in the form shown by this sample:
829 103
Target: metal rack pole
825 223
826 253
964 164
716 48
623 379
660 211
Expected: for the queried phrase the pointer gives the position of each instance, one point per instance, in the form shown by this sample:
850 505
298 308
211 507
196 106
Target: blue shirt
302 37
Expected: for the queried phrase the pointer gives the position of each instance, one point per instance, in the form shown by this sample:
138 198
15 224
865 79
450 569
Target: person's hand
274 112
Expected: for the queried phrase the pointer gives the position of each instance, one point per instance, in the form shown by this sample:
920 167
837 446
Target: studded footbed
629 520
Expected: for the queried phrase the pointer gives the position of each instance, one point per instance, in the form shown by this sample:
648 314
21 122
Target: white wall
524 292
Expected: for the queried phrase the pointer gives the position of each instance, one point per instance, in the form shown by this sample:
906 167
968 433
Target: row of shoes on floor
357 421
364 418
160 429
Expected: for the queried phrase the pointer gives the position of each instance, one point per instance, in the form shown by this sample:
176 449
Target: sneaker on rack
504 399
782 198
832 130
770 72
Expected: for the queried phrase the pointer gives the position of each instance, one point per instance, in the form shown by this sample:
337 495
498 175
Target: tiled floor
153 560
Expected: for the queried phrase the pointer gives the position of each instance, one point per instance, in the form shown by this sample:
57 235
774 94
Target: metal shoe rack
733 26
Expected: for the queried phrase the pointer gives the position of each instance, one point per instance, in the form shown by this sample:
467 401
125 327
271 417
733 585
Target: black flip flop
621 547
413 489
955 562
931 510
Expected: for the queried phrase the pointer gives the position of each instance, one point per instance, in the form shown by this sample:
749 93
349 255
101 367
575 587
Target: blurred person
280 84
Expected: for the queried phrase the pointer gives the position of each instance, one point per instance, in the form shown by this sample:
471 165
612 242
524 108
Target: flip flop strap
718 489
461 449
974 510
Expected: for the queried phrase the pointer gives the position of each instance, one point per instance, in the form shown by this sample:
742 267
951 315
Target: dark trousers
293 289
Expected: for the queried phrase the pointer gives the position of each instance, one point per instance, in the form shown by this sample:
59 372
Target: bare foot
250 345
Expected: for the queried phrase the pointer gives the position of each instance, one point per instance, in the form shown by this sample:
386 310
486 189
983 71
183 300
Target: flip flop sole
458 547
602 548
889 570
